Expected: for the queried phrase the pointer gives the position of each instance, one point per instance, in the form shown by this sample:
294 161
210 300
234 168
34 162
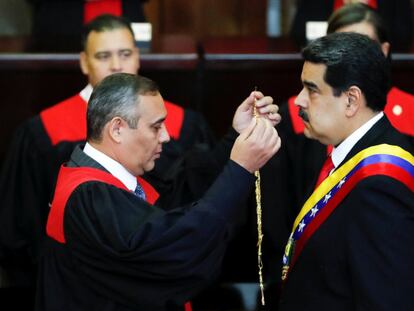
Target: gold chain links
259 220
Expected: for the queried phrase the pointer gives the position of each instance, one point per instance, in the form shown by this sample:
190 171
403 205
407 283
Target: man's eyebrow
310 85
102 53
158 121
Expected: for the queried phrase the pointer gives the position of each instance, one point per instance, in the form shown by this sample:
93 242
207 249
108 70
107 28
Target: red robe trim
65 121
175 119
150 193
92 9
400 110
68 180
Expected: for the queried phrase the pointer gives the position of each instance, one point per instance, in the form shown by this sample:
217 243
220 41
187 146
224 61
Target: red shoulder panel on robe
92 9
68 180
297 122
65 121
150 193
175 118
400 110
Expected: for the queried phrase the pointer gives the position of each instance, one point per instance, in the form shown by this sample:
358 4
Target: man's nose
300 100
164 137
115 63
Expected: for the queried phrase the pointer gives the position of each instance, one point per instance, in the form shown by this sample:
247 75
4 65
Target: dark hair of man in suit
105 22
352 59
116 96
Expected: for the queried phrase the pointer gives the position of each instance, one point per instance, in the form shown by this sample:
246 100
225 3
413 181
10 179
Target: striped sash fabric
382 159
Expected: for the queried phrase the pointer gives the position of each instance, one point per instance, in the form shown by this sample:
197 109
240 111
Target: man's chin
308 133
150 166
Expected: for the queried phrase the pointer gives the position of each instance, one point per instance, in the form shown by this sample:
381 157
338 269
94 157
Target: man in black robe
107 248
45 141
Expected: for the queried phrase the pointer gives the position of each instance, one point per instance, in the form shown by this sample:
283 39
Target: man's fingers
248 130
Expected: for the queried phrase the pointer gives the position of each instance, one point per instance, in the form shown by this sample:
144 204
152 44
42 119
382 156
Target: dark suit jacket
361 257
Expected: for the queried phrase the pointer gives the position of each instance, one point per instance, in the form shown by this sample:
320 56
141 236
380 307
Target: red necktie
327 167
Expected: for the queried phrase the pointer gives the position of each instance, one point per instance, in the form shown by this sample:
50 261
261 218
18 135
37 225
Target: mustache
303 115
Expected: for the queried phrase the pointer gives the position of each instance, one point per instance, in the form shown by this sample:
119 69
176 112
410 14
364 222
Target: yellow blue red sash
382 159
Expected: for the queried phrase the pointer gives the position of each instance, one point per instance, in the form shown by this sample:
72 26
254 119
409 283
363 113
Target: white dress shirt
112 166
341 151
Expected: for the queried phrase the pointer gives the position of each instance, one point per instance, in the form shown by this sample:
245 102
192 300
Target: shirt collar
340 152
112 166
86 93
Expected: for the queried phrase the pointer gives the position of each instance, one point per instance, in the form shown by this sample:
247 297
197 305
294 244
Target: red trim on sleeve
65 121
400 110
92 9
297 122
175 118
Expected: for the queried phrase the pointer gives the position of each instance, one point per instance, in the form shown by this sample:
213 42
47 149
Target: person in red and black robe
45 141
109 249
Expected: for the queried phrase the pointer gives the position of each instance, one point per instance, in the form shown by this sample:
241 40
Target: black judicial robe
118 252
29 173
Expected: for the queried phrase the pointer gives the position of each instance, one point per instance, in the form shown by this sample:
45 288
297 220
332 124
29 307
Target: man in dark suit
350 246
108 248
300 160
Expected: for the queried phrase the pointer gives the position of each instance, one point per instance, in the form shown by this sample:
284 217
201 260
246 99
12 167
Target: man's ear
354 95
115 127
83 62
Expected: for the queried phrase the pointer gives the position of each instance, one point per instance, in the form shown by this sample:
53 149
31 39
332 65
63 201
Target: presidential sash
388 160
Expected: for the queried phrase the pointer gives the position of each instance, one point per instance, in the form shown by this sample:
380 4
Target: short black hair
116 96
352 59
105 22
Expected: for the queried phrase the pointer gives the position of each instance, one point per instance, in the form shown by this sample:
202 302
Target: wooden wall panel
204 18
